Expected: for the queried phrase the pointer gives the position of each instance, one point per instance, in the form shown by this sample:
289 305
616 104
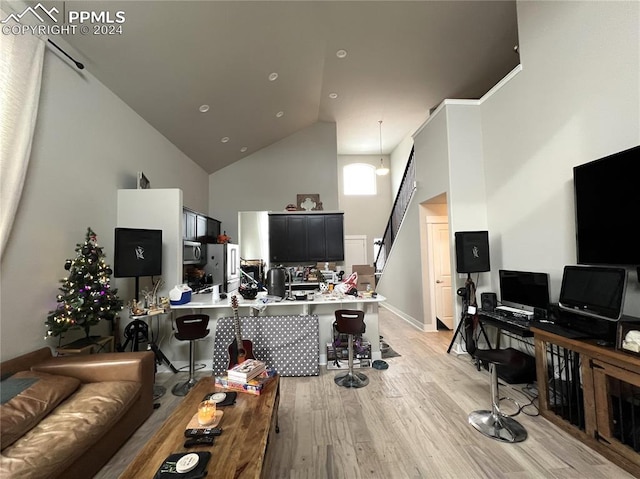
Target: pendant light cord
382 170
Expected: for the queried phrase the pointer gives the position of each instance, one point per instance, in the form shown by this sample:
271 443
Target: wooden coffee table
239 452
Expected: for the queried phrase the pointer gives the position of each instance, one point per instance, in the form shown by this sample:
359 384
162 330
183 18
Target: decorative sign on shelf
143 181
309 202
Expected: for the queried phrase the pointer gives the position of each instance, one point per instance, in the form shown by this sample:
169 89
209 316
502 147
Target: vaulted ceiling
402 59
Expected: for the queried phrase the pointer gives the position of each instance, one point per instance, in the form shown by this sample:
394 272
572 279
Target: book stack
246 370
252 386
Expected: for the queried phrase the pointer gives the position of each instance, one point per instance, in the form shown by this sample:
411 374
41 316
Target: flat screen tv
137 252
607 205
524 289
595 291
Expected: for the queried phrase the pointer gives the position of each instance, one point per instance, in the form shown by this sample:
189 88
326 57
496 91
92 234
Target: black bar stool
493 423
351 322
190 328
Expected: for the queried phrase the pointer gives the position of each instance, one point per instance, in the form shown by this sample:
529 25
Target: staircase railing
405 192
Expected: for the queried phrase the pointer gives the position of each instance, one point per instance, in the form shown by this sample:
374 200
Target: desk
240 452
519 328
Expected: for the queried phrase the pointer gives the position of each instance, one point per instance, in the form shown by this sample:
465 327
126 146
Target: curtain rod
78 64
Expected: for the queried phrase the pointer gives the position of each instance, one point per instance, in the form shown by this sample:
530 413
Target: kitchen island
322 305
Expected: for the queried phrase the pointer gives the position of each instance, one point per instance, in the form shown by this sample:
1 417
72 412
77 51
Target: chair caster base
181 389
351 380
498 426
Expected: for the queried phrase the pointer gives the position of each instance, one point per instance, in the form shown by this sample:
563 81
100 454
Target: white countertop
201 301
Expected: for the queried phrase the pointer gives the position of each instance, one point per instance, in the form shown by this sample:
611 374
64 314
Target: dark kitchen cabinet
306 237
297 238
199 227
316 238
213 230
334 236
278 238
189 225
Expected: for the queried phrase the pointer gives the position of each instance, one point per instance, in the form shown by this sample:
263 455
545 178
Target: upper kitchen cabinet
201 228
189 225
295 237
278 238
213 230
334 235
198 227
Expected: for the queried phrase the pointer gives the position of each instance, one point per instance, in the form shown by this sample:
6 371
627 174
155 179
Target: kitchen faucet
289 295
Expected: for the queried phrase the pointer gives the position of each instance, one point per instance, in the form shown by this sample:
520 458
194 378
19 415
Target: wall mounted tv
607 207
137 252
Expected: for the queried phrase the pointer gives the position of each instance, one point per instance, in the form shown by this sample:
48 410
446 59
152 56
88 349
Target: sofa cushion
65 434
34 396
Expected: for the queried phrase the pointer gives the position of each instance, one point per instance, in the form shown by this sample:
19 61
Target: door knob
438 281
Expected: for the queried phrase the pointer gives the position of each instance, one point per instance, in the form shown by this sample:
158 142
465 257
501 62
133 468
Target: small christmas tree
85 296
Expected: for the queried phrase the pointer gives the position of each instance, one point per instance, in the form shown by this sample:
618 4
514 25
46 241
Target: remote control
211 431
199 441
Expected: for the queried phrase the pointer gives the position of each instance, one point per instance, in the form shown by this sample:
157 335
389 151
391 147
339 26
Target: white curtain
21 58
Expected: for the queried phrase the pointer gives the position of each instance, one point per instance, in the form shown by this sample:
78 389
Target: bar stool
351 322
190 328
495 424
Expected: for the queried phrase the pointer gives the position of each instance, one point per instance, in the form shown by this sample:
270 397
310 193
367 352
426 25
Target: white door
355 251
439 243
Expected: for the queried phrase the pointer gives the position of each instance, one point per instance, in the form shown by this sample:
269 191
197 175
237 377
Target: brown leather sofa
67 416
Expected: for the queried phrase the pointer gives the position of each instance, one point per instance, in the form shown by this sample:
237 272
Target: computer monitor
524 290
593 291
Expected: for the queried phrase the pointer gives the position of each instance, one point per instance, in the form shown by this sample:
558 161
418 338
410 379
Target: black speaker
472 251
488 301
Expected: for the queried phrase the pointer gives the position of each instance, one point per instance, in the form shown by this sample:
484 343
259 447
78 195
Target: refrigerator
223 264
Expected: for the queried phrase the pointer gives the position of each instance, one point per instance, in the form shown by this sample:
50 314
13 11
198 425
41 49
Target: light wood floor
409 422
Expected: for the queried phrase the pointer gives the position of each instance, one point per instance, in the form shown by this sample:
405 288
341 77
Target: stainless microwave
193 253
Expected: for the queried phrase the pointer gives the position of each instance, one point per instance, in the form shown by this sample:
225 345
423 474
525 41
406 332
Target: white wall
158 208
365 215
577 99
270 179
401 282
467 193
87 145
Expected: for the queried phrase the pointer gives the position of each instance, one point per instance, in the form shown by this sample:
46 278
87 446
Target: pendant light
381 170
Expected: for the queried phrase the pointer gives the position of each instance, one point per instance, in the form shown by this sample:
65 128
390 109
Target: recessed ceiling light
273 76
204 108
224 139
243 149
280 114
341 53
333 95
